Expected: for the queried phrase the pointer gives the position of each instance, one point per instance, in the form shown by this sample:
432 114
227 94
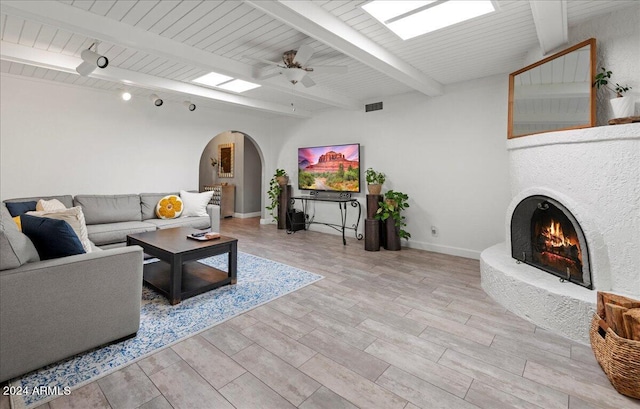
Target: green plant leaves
392 206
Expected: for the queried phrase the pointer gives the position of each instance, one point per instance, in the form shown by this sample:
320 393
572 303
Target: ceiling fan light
294 75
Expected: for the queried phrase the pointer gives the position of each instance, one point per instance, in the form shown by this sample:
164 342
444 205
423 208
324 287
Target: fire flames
559 247
555 236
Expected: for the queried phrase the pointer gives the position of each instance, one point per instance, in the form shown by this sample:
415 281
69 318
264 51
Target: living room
446 152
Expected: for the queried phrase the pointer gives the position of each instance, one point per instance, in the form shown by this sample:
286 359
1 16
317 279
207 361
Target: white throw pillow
195 204
75 218
49 205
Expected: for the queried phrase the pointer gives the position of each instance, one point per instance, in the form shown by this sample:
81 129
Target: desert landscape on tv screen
333 168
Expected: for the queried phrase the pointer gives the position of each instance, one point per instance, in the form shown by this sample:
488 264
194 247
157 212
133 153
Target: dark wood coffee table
178 275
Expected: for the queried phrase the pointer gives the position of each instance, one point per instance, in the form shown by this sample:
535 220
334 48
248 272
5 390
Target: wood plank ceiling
239 33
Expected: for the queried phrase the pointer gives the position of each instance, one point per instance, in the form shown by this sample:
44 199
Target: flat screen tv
334 168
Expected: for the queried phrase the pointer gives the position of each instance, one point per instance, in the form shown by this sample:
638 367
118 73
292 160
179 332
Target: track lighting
91 60
190 106
156 100
126 96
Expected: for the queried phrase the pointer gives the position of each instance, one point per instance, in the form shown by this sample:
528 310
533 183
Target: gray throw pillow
15 248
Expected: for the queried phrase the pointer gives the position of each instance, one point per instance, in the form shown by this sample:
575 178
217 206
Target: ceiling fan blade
307 81
303 54
267 72
329 69
269 75
262 60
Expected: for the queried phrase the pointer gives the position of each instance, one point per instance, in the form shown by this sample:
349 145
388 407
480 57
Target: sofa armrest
214 214
53 309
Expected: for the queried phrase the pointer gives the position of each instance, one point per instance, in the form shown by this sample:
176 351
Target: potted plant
390 212
279 179
622 106
374 181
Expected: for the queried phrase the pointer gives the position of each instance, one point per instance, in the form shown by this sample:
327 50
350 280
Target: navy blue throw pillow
19 208
52 238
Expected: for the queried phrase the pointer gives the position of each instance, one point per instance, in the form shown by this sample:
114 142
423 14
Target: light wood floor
408 329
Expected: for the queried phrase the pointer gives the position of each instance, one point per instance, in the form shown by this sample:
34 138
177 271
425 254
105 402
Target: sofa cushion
53 238
67 200
109 233
195 204
148 203
15 247
100 209
49 205
18 208
201 222
74 217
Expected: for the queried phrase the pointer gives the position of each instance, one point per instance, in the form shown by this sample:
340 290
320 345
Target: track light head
91 60
156 100
85 68
189 105
91 57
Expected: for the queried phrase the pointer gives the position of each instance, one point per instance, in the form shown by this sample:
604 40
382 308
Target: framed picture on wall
225 160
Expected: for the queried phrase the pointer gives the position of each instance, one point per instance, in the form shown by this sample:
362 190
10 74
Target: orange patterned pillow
169 207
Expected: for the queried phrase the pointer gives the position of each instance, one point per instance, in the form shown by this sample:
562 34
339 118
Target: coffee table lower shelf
197 278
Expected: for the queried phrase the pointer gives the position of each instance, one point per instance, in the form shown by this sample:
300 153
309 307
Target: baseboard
267 221
436 248
439 248
247 215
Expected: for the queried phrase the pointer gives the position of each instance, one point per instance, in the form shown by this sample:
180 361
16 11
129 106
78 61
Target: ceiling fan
294 67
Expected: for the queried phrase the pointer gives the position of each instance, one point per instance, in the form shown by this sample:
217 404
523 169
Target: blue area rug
161 324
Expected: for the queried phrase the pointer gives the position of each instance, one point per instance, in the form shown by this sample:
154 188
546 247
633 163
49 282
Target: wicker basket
618 357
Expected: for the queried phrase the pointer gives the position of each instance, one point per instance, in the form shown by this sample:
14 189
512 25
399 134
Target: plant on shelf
602 80
622 106
391 207
374 181
275 187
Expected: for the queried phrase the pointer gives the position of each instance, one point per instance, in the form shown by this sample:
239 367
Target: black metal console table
342 204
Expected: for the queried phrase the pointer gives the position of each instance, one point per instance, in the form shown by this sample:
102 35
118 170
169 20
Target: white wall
447 153
617 37
62 139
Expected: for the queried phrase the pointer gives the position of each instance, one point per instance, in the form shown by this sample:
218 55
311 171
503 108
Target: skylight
213 79
238 86
410 19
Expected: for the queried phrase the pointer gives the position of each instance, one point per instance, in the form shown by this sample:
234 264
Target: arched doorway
247 175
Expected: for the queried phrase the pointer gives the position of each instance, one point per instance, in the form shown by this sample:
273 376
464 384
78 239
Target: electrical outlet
434 231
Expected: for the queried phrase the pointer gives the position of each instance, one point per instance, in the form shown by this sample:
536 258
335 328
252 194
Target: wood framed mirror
555 93
225 160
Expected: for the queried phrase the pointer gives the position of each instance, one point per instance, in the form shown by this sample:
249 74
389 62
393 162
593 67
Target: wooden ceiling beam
65 63
323 26
550 18
76 20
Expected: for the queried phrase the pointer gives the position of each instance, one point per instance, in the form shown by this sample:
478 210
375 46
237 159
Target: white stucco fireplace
595 174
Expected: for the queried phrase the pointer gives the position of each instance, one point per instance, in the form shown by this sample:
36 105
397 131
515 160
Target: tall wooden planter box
392 238
283 206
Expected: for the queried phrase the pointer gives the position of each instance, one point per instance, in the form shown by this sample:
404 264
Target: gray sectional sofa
111 217
53 309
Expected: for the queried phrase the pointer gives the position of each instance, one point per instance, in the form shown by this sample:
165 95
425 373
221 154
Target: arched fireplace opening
546 235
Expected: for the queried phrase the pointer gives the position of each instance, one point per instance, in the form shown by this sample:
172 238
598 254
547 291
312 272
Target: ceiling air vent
376 106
